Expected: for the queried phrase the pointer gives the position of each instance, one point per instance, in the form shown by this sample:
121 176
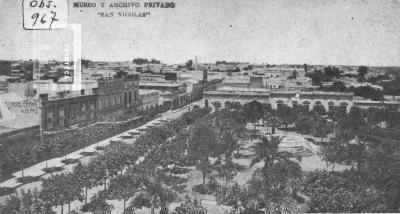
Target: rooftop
311 92
160 84
69 94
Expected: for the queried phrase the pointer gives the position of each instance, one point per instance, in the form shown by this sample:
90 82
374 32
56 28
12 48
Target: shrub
97 204
173 180
212 185
88 153
70 161
201 189
27 179
190 206
100 148
52 169
6 191
180 187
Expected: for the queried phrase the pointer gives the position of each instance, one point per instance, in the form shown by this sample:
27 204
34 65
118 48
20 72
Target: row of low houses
291 98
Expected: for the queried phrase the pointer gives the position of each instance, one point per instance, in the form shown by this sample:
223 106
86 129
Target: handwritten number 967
35 17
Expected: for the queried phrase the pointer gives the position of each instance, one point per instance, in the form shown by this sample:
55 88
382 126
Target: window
61 113
83 112
61 117
73 113
130 97
49 120
99 104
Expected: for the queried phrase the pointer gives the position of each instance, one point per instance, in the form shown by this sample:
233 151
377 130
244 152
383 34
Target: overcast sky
351 32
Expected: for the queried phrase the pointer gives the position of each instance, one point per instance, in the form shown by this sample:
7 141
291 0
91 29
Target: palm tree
268 151
278 169
230 142
227 170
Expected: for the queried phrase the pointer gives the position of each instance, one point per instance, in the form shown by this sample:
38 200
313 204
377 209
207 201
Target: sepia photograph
199 106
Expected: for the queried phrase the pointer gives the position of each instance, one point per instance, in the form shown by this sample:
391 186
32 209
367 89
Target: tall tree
354 129
227 170
202 144
83 178
55 190
286 114
362 71
97 172
253 111
321 128
189 65
268 151
153 191
117 156
74 191
383 170
334 151
338 86
305 67
123 187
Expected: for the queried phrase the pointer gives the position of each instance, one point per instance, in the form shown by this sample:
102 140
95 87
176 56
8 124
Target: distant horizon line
175 63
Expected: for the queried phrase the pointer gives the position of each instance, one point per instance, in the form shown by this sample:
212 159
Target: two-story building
112 98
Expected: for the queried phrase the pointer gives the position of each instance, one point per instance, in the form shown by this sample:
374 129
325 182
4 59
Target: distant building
237 81
150 99
3 86
145 77
257 82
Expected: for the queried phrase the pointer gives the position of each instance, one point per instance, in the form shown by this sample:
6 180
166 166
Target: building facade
67 110
118 95
112 98
328 100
